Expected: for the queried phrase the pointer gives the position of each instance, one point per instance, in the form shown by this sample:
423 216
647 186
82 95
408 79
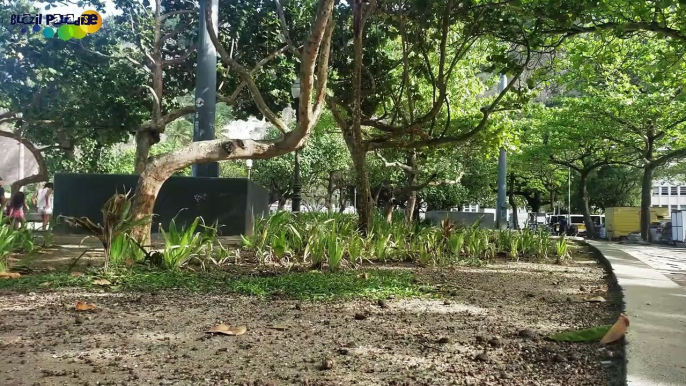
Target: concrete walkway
656 308
669 261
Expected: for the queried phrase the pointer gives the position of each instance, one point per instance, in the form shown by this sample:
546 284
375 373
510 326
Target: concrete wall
16 162
486 220
233 202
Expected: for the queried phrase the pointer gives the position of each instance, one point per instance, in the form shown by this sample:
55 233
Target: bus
576 226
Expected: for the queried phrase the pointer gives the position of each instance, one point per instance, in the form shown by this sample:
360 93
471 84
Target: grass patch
313 285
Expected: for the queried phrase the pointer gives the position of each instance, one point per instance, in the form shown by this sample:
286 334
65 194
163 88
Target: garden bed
391 326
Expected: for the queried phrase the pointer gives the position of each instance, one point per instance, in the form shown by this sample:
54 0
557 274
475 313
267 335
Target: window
665 190
683 190
656 191
664 206
674 190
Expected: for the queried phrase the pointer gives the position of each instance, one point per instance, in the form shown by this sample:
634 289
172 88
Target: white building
669 194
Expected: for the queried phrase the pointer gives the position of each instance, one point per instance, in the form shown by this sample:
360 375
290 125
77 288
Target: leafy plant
117 219
180 244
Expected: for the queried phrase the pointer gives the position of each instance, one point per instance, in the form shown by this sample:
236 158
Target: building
669 194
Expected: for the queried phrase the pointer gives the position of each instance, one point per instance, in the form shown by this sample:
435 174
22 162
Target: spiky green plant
180 244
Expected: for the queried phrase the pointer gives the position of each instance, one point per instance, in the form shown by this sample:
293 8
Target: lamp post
295 92
501 208
248 164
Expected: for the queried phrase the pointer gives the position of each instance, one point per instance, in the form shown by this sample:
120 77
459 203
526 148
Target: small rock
351 344
480 338
528 333
328 363
530 295
446 303
78 320
344 351
505 375
444 340
453 292
382 303
483 357
583 289
569 299
360 316
557 358
574 356
495 342
298 307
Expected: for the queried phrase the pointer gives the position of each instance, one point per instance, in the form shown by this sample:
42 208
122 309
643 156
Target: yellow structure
621 221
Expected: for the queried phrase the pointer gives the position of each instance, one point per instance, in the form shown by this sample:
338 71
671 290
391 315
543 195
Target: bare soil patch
482 326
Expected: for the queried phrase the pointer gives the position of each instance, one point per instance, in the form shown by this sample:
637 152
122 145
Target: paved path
656 308
669 261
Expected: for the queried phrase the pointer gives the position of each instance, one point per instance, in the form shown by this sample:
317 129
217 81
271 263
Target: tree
633 89
314 58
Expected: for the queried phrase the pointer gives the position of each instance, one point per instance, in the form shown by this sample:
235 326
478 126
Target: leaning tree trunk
364 194
646 198
585 208
144 141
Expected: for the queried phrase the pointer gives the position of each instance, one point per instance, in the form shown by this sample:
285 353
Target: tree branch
167 15
180 59
395 164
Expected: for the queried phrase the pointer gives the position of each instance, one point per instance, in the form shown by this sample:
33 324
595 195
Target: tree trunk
329 193
536 202
341 200
513 203
411 180
585 208
282 203
144 141
364 194
646 201
388 208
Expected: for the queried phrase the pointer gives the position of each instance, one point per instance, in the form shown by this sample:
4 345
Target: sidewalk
656 308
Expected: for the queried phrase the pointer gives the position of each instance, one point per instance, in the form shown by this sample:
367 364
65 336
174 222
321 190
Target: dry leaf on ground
129 263
617 330
10 275
279 327
81 306
77 274
227 330
596 299
101 282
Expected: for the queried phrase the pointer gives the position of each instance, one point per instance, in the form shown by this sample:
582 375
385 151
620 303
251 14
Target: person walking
3 200
44 204
563 226
15 209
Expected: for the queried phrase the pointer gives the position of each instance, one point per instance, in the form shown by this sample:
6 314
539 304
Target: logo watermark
63 26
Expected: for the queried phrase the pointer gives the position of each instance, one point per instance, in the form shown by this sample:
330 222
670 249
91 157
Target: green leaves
594 334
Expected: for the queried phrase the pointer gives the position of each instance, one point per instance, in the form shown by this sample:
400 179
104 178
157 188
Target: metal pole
297 198
206 89
355 199
501 208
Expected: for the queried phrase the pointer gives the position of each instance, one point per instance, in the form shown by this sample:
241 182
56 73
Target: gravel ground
486 328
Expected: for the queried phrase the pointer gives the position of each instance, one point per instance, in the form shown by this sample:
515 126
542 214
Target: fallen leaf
227 330
129 262
77 274
81 306
596 299
101 282
10 275
594 334
45 284
617 330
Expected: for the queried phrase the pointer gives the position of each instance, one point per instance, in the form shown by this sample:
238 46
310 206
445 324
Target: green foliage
117 224
13 241
594 334
313 285
181 244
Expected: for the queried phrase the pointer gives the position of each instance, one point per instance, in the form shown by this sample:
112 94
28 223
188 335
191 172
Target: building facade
669 194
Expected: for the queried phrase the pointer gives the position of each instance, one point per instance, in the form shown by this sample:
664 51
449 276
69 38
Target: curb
618 296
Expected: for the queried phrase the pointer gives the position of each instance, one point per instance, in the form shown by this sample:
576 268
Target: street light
248 164
501 206
295 92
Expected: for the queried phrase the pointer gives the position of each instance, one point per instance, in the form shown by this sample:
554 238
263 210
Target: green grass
313 285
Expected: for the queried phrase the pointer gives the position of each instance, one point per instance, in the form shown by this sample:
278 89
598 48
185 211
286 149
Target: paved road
669 261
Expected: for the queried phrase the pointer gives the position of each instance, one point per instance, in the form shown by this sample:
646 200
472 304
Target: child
44 204
15 209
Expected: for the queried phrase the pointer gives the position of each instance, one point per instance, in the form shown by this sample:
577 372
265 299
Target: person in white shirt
44 204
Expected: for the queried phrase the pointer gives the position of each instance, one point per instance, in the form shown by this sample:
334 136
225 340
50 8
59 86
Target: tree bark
513 203
364 194
341 200
144 141
411 181
329 193
646 201
585 208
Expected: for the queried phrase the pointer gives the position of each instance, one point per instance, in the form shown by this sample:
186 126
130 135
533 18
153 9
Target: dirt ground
486 329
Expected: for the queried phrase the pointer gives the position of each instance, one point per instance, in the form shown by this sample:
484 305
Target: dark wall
233 202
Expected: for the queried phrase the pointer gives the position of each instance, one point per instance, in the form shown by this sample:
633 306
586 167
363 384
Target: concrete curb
656 343
618 296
